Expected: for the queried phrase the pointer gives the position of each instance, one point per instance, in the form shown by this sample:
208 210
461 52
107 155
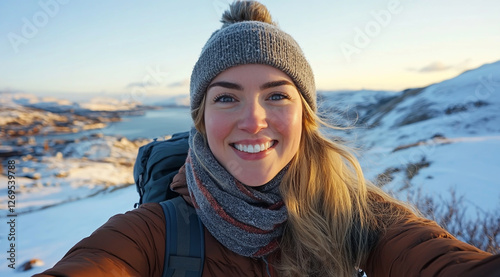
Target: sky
144 48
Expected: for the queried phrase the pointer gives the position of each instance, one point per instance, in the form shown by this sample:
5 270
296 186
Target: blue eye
278 96
224 98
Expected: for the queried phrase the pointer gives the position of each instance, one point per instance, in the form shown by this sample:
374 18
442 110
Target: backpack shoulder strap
184 242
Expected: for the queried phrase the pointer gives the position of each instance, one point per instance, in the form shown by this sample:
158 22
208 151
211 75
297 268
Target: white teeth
254 148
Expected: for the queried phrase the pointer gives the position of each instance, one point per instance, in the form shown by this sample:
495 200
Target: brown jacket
133 244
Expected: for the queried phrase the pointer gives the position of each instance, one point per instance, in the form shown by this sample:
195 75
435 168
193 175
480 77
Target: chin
251 181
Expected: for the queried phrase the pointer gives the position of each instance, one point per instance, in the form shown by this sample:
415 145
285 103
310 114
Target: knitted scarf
247 220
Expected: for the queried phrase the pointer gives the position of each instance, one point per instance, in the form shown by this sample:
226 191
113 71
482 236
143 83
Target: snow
475 179
80 169
447 134
48 234
468 165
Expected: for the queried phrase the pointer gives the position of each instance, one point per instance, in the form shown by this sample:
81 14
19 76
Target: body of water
154 124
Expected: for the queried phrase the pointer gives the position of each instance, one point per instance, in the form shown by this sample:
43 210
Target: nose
253 117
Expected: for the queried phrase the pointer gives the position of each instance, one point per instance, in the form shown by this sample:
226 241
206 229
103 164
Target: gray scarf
246 220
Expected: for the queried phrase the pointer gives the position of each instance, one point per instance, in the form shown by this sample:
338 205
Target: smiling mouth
255 148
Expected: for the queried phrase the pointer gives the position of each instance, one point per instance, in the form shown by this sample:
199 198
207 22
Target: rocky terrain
24 115
53 168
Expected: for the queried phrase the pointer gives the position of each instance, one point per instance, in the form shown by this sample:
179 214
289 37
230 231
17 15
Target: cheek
216 127
289 123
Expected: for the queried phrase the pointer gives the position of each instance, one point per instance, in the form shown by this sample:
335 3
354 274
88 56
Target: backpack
156 165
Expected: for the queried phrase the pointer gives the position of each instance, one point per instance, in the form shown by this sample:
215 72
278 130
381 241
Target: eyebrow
276 84
267 85
223 84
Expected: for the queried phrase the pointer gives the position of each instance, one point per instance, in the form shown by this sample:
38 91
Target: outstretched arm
422 248
130 244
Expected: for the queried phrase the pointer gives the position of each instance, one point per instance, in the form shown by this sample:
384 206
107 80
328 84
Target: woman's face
253 121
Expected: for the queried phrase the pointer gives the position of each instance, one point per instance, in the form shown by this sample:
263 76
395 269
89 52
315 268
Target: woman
275 196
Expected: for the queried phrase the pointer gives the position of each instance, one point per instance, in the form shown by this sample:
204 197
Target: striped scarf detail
247 220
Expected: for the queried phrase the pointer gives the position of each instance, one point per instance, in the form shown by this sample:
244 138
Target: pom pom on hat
246 11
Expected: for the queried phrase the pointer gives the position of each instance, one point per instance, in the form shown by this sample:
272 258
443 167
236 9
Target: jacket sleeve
421 248
130 244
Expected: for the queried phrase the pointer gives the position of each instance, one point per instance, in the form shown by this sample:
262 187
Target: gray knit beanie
242 40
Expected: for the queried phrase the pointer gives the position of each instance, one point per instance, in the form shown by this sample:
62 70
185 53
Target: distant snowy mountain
168 101
108 104
53 104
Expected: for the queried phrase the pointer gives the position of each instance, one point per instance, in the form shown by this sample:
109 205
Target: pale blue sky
150 47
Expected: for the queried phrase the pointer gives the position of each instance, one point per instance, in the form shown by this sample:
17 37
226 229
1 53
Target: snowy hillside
441 137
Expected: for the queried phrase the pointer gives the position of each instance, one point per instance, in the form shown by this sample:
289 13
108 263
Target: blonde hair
334 214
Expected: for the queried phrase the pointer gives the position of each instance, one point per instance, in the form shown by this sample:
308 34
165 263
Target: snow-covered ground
48 234
72 171
445 136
